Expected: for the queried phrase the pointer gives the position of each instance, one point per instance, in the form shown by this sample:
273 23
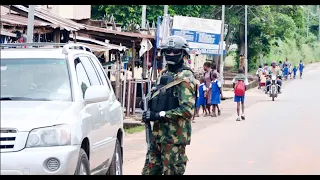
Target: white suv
59 114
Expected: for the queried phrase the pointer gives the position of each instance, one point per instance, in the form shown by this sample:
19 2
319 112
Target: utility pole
246 39
165 34
118 75
143 17
30 23
165 10
221 44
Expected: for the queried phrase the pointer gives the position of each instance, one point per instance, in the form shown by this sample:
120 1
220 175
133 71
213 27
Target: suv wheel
83 164
116 164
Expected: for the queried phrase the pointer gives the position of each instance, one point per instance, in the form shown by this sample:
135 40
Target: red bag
240 88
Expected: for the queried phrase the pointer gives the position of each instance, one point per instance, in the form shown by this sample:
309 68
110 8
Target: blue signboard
203 35
198 37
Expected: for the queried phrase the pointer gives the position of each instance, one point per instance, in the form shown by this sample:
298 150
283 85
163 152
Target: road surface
279 137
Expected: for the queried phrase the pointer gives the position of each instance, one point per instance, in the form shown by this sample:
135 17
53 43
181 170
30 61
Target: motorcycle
273 91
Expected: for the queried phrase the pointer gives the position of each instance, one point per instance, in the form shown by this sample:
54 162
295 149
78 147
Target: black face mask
175 59
175 67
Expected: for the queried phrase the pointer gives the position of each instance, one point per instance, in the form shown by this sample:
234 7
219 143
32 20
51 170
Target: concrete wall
3 10
70 11
82 11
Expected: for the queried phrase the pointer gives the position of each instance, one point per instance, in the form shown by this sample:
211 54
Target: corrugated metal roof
106 45
6 33
21 20
94 47
129 34
57 21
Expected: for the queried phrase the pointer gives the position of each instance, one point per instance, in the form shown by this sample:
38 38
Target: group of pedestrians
283 70
179 89
288 70
210 92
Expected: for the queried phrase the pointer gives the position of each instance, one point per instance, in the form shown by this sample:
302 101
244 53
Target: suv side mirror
96 93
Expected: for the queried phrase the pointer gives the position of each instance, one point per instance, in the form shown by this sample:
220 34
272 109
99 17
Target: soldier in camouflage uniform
172 127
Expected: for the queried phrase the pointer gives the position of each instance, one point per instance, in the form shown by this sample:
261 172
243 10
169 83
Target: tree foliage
271 28
132 13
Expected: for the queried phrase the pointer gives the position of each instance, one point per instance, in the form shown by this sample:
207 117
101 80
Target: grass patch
133 130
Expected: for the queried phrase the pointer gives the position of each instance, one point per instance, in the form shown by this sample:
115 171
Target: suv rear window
35 79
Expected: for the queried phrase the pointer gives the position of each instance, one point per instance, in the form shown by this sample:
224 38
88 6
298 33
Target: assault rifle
145 101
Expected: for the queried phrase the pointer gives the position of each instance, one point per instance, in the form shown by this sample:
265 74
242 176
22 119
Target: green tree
126 14
271 28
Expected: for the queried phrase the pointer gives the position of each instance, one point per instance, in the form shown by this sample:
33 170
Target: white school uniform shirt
259 70
219 83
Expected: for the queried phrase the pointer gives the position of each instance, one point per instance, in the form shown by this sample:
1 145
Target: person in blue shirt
301 67
294 71
285 71
201 98
216 94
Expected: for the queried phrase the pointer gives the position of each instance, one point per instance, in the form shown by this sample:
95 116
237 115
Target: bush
309 53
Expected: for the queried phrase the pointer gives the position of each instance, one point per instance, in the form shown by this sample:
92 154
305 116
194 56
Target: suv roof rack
66 46
32 44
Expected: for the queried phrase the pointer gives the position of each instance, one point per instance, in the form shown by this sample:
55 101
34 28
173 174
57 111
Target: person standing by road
201 99
287 63
172 107
294 72
285 72
240 83
259 73
208 78
216 95
301 67
280 65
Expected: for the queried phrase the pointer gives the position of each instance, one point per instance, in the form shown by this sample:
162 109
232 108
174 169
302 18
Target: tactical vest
166 100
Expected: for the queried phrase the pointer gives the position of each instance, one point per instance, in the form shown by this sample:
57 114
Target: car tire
115 167
83 166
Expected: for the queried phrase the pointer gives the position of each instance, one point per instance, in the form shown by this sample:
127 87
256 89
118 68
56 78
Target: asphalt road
279 137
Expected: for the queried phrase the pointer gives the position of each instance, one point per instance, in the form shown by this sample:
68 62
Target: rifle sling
171 84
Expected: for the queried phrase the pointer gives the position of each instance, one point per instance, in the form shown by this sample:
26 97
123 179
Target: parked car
59 113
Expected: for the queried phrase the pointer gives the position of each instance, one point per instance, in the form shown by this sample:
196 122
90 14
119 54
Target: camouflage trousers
166 159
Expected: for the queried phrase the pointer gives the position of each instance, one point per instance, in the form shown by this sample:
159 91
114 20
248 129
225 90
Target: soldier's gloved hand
150 116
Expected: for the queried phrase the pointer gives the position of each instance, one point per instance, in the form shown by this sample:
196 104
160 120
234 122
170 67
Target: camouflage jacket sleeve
186 97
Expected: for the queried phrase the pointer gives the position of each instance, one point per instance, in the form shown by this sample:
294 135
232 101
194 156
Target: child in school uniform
285 72
295 69
216 95
290 71
240 84
201 99
301 67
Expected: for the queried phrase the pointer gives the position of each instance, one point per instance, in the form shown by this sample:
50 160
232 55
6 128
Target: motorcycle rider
274 70
171 109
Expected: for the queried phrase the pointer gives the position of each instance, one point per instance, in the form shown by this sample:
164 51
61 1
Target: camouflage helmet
175 43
